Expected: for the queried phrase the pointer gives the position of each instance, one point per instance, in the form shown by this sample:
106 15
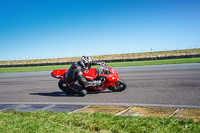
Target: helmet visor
87 64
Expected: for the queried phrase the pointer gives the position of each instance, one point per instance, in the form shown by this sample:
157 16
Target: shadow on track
63 94
52 94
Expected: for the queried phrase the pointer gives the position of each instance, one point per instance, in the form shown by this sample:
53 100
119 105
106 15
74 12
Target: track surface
170 85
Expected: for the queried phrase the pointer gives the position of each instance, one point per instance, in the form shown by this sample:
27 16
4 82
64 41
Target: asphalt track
160 86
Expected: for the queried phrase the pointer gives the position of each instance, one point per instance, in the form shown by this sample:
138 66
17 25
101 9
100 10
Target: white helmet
85 62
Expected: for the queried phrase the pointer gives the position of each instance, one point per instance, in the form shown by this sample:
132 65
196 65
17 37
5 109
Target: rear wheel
120 86
61 85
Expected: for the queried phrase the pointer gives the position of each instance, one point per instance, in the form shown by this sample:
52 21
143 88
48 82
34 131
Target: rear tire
120 86
60 85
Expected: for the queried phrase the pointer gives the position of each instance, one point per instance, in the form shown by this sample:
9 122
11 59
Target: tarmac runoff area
143 111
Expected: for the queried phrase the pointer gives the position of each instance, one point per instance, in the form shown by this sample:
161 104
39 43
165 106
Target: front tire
120 86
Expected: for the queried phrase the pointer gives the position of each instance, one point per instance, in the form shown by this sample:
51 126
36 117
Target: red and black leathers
74 74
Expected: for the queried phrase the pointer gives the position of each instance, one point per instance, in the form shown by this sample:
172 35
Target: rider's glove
103 63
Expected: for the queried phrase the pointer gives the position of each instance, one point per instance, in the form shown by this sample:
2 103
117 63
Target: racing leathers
74 74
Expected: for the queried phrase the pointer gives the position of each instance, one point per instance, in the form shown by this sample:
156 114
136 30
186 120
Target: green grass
42 122
32 69
114 64
155 62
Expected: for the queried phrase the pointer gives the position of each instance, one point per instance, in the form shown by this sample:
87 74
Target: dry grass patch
109 57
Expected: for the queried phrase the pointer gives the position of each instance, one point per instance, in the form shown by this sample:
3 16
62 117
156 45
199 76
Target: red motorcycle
109 77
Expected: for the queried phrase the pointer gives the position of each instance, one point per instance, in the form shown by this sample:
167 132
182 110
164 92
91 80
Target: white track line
119 104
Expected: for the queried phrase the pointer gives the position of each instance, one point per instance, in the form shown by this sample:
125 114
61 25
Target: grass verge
114 64
40 121
32 69
155 62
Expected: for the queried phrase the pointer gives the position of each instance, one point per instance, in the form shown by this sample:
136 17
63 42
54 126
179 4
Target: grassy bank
32 69
159 54
115 64
23 122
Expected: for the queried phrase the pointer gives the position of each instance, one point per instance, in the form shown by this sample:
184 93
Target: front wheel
120 86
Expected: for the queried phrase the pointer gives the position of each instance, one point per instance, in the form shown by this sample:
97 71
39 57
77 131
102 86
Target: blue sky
36 29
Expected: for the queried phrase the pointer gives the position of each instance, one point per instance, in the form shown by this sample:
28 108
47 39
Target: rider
75 73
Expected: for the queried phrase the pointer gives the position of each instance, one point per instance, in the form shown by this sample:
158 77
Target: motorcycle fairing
59 74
